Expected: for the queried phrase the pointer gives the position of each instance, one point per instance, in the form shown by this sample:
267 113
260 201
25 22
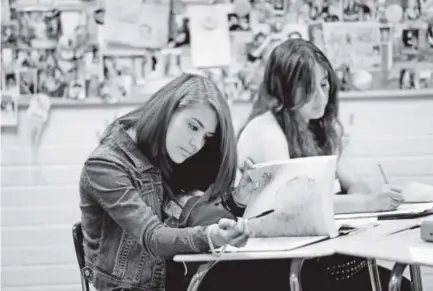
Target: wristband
230 204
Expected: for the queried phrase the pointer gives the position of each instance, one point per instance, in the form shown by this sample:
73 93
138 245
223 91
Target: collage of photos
51 51
64 53
369 42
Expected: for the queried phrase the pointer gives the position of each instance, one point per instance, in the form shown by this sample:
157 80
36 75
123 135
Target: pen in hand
382 172
393 188
263 214
267 212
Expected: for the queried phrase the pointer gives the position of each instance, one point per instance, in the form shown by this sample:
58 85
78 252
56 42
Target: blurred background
70 67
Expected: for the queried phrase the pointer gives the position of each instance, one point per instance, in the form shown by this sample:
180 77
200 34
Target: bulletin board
73 49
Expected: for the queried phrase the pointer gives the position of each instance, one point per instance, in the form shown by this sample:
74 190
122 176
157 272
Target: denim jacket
125 242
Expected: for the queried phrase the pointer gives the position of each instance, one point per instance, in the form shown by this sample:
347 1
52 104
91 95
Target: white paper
137 24
275 244
417 192
210 39
356 45
300 192
406 208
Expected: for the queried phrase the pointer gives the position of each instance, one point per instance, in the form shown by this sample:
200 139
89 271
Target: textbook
300 191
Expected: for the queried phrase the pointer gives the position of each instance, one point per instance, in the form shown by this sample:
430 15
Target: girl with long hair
296 115
182 139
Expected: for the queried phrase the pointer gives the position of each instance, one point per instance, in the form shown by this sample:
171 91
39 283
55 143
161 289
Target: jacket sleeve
110 185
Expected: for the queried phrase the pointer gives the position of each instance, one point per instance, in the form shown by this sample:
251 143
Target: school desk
402 247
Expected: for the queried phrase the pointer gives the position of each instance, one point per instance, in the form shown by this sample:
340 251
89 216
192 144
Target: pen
405 215
382 172
267 212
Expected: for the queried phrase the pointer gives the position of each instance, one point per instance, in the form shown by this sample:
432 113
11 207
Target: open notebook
300 193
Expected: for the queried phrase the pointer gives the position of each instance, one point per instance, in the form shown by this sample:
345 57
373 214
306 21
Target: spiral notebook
300 192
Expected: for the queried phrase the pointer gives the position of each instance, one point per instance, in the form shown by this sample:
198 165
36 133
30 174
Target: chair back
77 234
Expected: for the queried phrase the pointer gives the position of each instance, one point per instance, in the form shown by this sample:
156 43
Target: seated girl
182 139
296 115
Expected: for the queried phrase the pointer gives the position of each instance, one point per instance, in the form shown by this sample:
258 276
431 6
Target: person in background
407 79
181 140
296 115
412 11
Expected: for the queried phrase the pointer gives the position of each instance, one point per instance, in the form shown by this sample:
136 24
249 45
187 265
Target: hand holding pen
233 232
387 199
240 226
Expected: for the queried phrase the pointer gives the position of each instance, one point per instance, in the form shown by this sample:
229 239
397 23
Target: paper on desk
406 208
417 192
275 244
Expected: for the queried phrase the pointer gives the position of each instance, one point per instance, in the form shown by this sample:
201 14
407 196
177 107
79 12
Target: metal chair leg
396 277
415 275
295 274
199 275
374 275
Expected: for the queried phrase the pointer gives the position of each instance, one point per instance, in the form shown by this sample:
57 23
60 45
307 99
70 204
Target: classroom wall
39 201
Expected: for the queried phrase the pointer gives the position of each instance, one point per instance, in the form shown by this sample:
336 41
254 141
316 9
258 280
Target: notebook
300 192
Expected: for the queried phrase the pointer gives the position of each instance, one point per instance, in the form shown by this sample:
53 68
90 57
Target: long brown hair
290 68
215 164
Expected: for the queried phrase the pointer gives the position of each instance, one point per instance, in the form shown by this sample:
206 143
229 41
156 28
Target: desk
320 249
297 257
404 248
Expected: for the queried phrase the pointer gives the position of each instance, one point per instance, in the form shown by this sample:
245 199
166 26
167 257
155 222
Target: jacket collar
125 142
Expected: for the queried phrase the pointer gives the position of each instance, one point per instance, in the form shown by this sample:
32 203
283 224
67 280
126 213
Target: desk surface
403 247
320 249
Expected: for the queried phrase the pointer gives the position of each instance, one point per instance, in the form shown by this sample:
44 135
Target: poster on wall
321 11
210 39
147 23
9 98
39 28
356 45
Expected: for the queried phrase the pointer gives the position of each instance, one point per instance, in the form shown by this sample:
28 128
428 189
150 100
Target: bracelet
209 239
230 204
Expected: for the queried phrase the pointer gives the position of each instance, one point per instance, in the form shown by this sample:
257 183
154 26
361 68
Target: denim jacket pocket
133 264
145 271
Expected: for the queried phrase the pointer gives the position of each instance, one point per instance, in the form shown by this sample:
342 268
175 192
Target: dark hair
411 75
429 30
233 15
294 35
290 68
215 164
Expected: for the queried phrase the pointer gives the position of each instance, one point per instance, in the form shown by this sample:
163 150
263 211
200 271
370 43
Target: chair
77 234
